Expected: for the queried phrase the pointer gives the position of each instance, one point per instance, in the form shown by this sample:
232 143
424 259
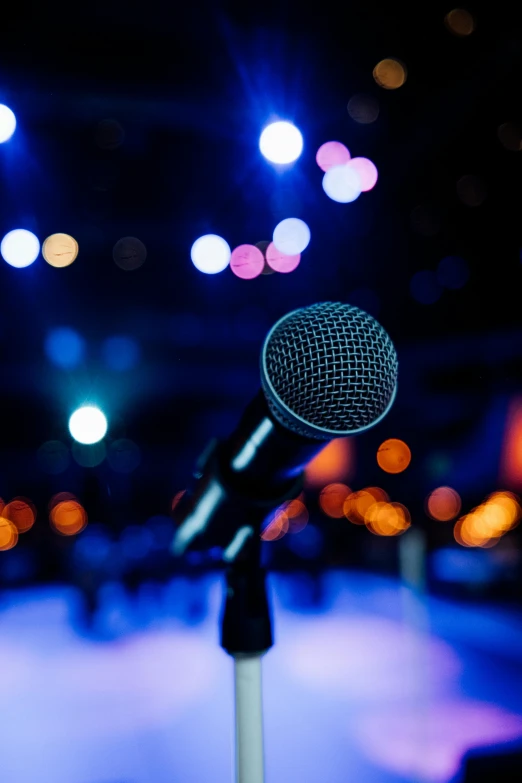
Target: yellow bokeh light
332 499
21 512
393 456
460 22
60 250
443 504
8 534
68 517
390 73
387 519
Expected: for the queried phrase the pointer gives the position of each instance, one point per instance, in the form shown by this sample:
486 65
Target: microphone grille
329 370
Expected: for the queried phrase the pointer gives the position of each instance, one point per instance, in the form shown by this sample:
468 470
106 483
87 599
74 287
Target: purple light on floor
367 172
332 153
247 262
280 262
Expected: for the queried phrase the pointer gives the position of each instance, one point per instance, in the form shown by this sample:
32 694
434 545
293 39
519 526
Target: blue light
425 288
291 236
64 347
7 123
307 544
453 272
20 248
120 353
88 425
281 142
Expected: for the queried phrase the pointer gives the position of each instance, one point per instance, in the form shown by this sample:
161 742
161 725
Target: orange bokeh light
390 73
443 504
487 523
393 456
511 461
357 503
297 514
68 517
21 512
332 499
277 527
8 534
387 519
334 463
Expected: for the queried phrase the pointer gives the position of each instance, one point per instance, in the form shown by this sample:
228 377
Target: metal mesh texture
332 365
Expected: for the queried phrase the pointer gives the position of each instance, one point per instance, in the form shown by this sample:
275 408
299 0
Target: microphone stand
246 635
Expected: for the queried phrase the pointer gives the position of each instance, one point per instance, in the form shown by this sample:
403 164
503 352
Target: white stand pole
249 719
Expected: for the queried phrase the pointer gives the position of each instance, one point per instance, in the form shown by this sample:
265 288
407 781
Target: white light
291 236
342 184
281 142
88 425
210 254
7 123
20 248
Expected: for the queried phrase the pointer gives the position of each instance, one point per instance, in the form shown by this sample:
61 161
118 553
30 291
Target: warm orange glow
387 519
393 456
2 504
443 504
297 514
177 497
60 250
68 517
332 499
21 512
390 73
460 22
334 463
357 504
277 527
486 524
511 460
8 534
59 498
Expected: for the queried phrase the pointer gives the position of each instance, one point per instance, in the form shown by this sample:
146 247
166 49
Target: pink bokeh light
279 262
367 172
247 262
332 153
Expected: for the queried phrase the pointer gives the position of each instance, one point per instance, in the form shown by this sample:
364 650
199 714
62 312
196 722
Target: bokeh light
297 514
387 519
129 253
53 457
7 123
393 456
510 136
511 459
335 463
8 534
68 517
210 254
247 262
109 134
89 455
487 523
278 525
363 108
453 272
21 512
342 184
291 236
425 288
390 73
123 455
331 153
60 250
357 504
279 262
367 171
64 347
120 353
460 22
332 499
20 248
281 142
88 424
471 190
443 504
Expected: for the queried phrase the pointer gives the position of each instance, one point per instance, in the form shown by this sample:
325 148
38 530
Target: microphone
327 371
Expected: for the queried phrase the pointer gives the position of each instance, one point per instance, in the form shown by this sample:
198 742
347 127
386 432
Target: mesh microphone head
328 370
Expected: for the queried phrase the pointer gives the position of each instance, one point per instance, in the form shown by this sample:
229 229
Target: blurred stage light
281 142
20 248
277 527
510 136
120 353
443 504
357 504
109 134
363 108
471 190
129 253
68 517
279 262
453 272
460 22
53 457
342 184
291 236
332 153
60 250
210 254
88 455
297 514
332 499
64 347
390 73
88 425
335 463
247 262
123 455
393 456
387 519
511 459
8 534
425 288
367 172
7 123
21 512
136 542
